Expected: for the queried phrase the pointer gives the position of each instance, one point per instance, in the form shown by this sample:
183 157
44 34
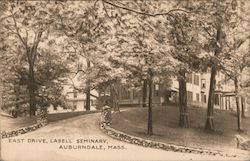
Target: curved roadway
83 127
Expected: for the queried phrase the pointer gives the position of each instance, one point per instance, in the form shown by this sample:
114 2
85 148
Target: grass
165 127
8 123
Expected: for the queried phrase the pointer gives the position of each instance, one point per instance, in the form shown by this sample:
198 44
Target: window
189 96
197 97
156 90
157 86
226 79
203 83
196 79
74 105
219 86
75 94
125 94
203 98
135 94
216 99
189 78
156 93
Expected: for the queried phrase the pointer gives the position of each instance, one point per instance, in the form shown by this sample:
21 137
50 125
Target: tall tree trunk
144 93
88 89
183 118
243 107
209 126
150 119
88 98
17 100
167 94
114 98
210 123
237 104
17 94
31 55
117 94
31 89
111 96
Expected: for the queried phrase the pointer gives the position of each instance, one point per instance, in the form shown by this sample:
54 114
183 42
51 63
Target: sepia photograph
124 80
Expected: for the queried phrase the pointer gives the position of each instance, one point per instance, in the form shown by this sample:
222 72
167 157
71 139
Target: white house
197 92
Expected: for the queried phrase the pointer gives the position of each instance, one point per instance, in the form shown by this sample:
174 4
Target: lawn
8 123
165 127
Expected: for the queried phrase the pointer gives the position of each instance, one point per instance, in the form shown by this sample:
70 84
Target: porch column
226 99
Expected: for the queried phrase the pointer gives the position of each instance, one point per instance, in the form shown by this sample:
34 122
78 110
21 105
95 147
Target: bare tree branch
17 31
93 95
95 3
65 32
35 45
105 9
145 13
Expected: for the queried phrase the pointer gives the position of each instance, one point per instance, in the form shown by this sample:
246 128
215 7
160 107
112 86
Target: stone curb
41 122
118 135
23 130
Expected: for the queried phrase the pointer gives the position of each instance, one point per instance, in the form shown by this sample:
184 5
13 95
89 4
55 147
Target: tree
30 41
236 66
28 24
140 53
13 80
214 19
51 70
144 93
52 73
85 29
218 19
226 21
186 49
237 60
153 9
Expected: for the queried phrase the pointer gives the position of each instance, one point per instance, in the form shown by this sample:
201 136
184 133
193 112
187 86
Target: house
197 92
76 101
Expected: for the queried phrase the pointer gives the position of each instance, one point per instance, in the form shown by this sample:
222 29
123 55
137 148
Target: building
76 101
197 92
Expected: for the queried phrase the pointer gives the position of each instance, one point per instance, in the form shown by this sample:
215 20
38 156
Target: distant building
78 101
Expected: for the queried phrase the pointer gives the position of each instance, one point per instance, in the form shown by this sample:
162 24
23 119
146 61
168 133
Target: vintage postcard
124 80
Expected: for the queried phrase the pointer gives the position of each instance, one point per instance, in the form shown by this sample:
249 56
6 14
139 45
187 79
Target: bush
14 113
102 101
